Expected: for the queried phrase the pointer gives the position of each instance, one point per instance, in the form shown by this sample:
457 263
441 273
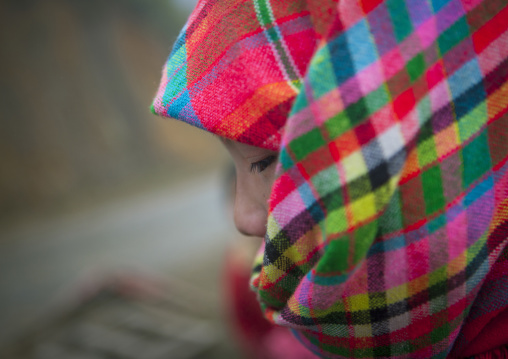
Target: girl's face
255 172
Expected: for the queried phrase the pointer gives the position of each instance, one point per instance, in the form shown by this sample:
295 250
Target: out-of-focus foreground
95 190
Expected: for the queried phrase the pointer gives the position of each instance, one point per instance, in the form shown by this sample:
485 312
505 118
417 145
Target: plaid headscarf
388 222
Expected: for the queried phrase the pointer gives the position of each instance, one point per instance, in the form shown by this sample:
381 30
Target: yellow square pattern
473 121
293 254
425 152
396 294
363 208
363 331
295 307
354 166
272 228
273 273
336 221
359 302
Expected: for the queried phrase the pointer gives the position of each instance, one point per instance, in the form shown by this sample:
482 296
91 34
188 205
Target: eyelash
262 165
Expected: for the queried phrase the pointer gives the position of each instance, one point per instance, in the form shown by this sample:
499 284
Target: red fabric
498 353
258 338
490 339
246 316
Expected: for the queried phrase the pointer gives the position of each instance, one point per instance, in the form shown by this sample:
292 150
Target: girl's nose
250 214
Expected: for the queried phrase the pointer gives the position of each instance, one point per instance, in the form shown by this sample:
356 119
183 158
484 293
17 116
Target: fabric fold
388 224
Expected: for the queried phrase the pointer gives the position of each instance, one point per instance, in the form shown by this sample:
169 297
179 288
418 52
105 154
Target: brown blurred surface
77 79
90 182
132 317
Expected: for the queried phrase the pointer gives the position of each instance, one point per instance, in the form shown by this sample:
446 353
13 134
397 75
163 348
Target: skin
253 186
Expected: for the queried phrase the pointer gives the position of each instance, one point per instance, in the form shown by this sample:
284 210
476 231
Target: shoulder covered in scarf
388 225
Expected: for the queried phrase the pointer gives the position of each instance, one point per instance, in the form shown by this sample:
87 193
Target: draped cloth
388 220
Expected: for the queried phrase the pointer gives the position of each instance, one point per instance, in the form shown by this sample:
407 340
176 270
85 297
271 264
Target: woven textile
388 225
237 65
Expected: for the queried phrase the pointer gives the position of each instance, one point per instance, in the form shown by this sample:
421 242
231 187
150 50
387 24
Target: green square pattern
424 109
335 256
426 132
336 221
437 276
377 99
475 248
400 18
357 111
364 236
359 187
300 101
438 304
337 125
440 333
438 289
179 78
363 353
400 348
321 75
342 351
268 300
391 219
306 144
285 159
415 67
325 182
427 153
453 35
382 351
433 190
332 202
436 223
288 282
475 165
472 122
273 34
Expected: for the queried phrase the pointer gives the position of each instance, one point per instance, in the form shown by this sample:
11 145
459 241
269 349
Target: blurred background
110 217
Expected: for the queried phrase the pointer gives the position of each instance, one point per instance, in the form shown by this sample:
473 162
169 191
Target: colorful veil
388 224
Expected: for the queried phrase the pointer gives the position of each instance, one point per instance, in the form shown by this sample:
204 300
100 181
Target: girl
369 139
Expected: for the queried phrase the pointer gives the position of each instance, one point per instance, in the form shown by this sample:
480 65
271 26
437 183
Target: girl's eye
260 166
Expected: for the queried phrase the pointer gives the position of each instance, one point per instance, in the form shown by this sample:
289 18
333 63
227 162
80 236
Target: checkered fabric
238 65
388 225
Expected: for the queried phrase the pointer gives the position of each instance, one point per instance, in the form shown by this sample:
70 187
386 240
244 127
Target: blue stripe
360 42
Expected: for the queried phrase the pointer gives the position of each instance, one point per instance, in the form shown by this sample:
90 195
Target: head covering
237 66
388 222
